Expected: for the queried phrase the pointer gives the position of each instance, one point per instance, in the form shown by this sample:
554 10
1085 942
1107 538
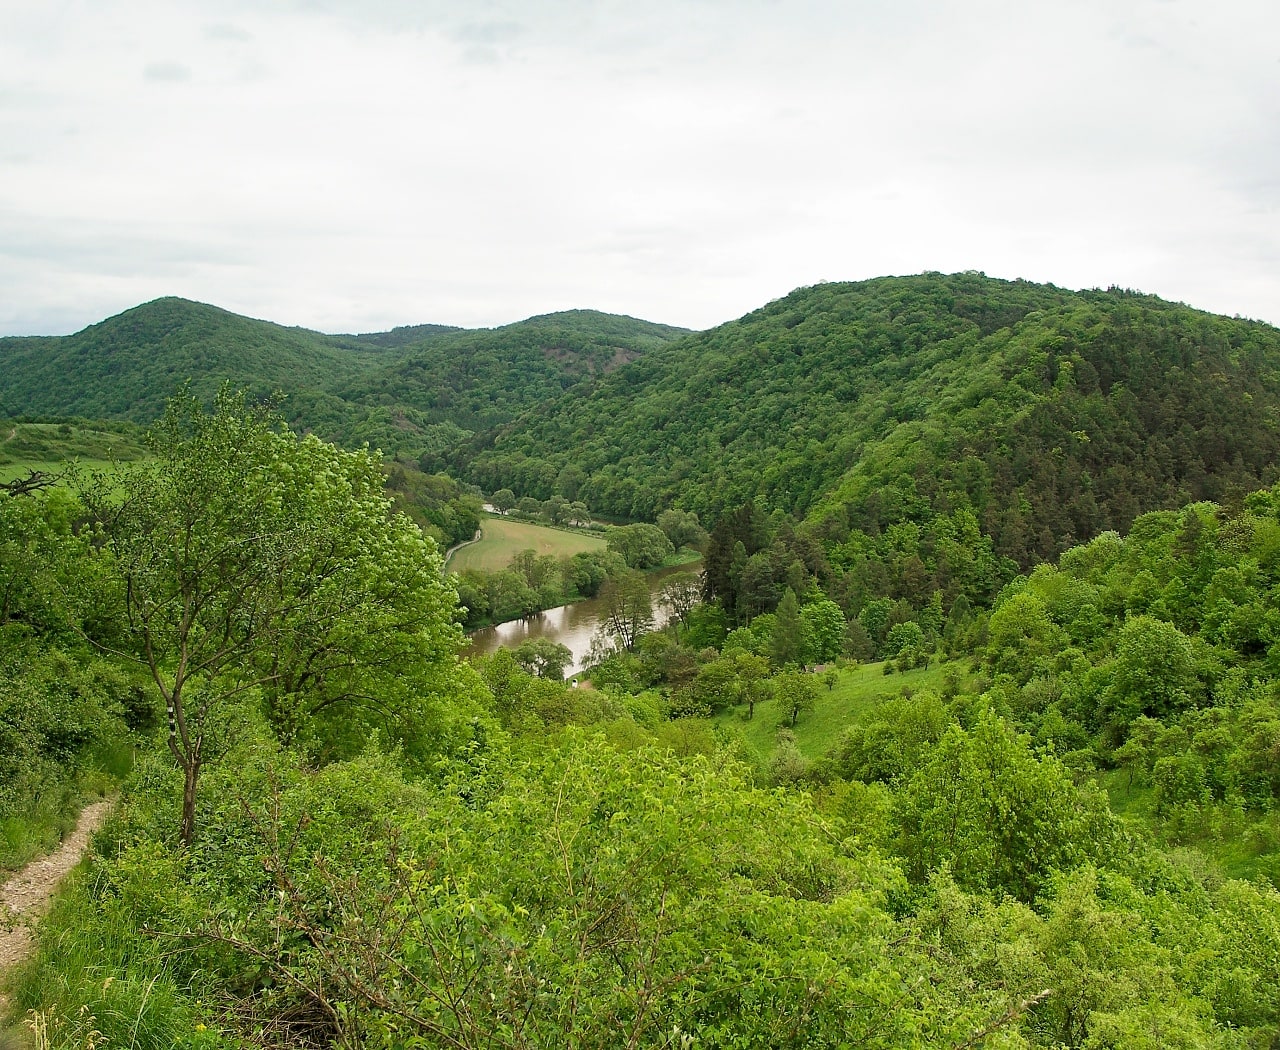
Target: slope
416 391
482 378
1049 414
126 366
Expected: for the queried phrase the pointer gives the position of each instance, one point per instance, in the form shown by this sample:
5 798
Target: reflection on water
570 625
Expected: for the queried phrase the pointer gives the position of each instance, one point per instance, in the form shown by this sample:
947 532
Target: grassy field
502 539
50 446
856 692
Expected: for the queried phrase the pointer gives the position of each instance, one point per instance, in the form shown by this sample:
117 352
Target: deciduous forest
965 731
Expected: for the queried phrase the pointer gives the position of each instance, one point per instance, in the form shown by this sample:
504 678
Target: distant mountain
126 366
404 335
417 390
892 403
481 378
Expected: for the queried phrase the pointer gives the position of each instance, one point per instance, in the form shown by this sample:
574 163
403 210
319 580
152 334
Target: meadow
49 447
503 538
856 692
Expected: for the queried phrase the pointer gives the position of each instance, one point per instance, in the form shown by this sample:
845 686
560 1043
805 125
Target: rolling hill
415 390
1049 415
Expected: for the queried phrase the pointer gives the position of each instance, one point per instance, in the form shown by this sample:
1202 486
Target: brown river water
573 626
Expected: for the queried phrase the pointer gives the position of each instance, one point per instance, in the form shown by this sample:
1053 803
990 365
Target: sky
353 165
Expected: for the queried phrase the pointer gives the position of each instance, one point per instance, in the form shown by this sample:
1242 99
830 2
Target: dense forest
1051 414
416 392
1003 607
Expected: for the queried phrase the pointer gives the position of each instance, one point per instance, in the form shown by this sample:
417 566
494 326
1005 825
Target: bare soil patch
27 894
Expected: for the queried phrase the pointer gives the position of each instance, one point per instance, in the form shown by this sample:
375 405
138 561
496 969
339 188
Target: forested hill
127 366
1050 414
481 378
414 390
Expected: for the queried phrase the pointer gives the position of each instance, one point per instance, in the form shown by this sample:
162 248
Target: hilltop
1049 414
416 389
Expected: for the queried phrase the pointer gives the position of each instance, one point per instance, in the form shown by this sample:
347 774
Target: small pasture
857 692
503 538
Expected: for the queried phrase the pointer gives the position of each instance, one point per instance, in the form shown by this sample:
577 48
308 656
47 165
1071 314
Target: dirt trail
27 894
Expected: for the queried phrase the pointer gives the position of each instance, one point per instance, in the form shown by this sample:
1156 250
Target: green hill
128 365
415 390
1048 414
480 379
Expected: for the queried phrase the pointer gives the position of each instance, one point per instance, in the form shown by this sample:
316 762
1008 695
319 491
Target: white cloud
347 165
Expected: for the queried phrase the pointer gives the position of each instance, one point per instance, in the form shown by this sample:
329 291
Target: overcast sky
351 165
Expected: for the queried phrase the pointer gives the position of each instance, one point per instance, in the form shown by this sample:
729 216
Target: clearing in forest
503 538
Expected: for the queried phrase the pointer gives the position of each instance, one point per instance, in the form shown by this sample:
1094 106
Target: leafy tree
248 559
822 627
1154 672
795 692
39 561
556 510
904 639
543 657
1023 636
626 607
642 546
682 528
1000 818
503 500
680 592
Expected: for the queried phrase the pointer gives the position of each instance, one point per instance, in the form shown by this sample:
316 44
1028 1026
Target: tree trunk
191 772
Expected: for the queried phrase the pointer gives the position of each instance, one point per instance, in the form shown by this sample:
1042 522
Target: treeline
533 582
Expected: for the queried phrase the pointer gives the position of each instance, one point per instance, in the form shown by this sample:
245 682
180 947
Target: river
573 626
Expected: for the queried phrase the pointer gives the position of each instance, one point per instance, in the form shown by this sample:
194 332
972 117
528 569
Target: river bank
573 625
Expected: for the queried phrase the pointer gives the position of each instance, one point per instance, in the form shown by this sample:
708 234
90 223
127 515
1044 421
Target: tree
1000 817
680 593
248 560
822 627
627 608
795 692
38 552
556 510
1154 672
503 500
786 643
543 657
682 528
753 675
642 546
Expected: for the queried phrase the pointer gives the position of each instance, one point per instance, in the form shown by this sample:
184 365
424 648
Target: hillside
127 366
415 390
1051 415
480 379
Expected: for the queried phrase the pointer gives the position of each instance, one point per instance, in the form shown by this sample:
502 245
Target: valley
931 655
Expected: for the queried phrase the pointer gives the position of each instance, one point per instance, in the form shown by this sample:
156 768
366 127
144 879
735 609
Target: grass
857 691
1241 844
502 539
49 447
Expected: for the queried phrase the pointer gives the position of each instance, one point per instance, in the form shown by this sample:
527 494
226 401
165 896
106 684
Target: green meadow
502 539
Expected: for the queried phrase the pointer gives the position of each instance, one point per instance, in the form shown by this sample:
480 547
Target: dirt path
458 546
27 894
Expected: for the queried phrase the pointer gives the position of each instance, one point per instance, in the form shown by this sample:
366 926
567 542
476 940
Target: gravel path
27 894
